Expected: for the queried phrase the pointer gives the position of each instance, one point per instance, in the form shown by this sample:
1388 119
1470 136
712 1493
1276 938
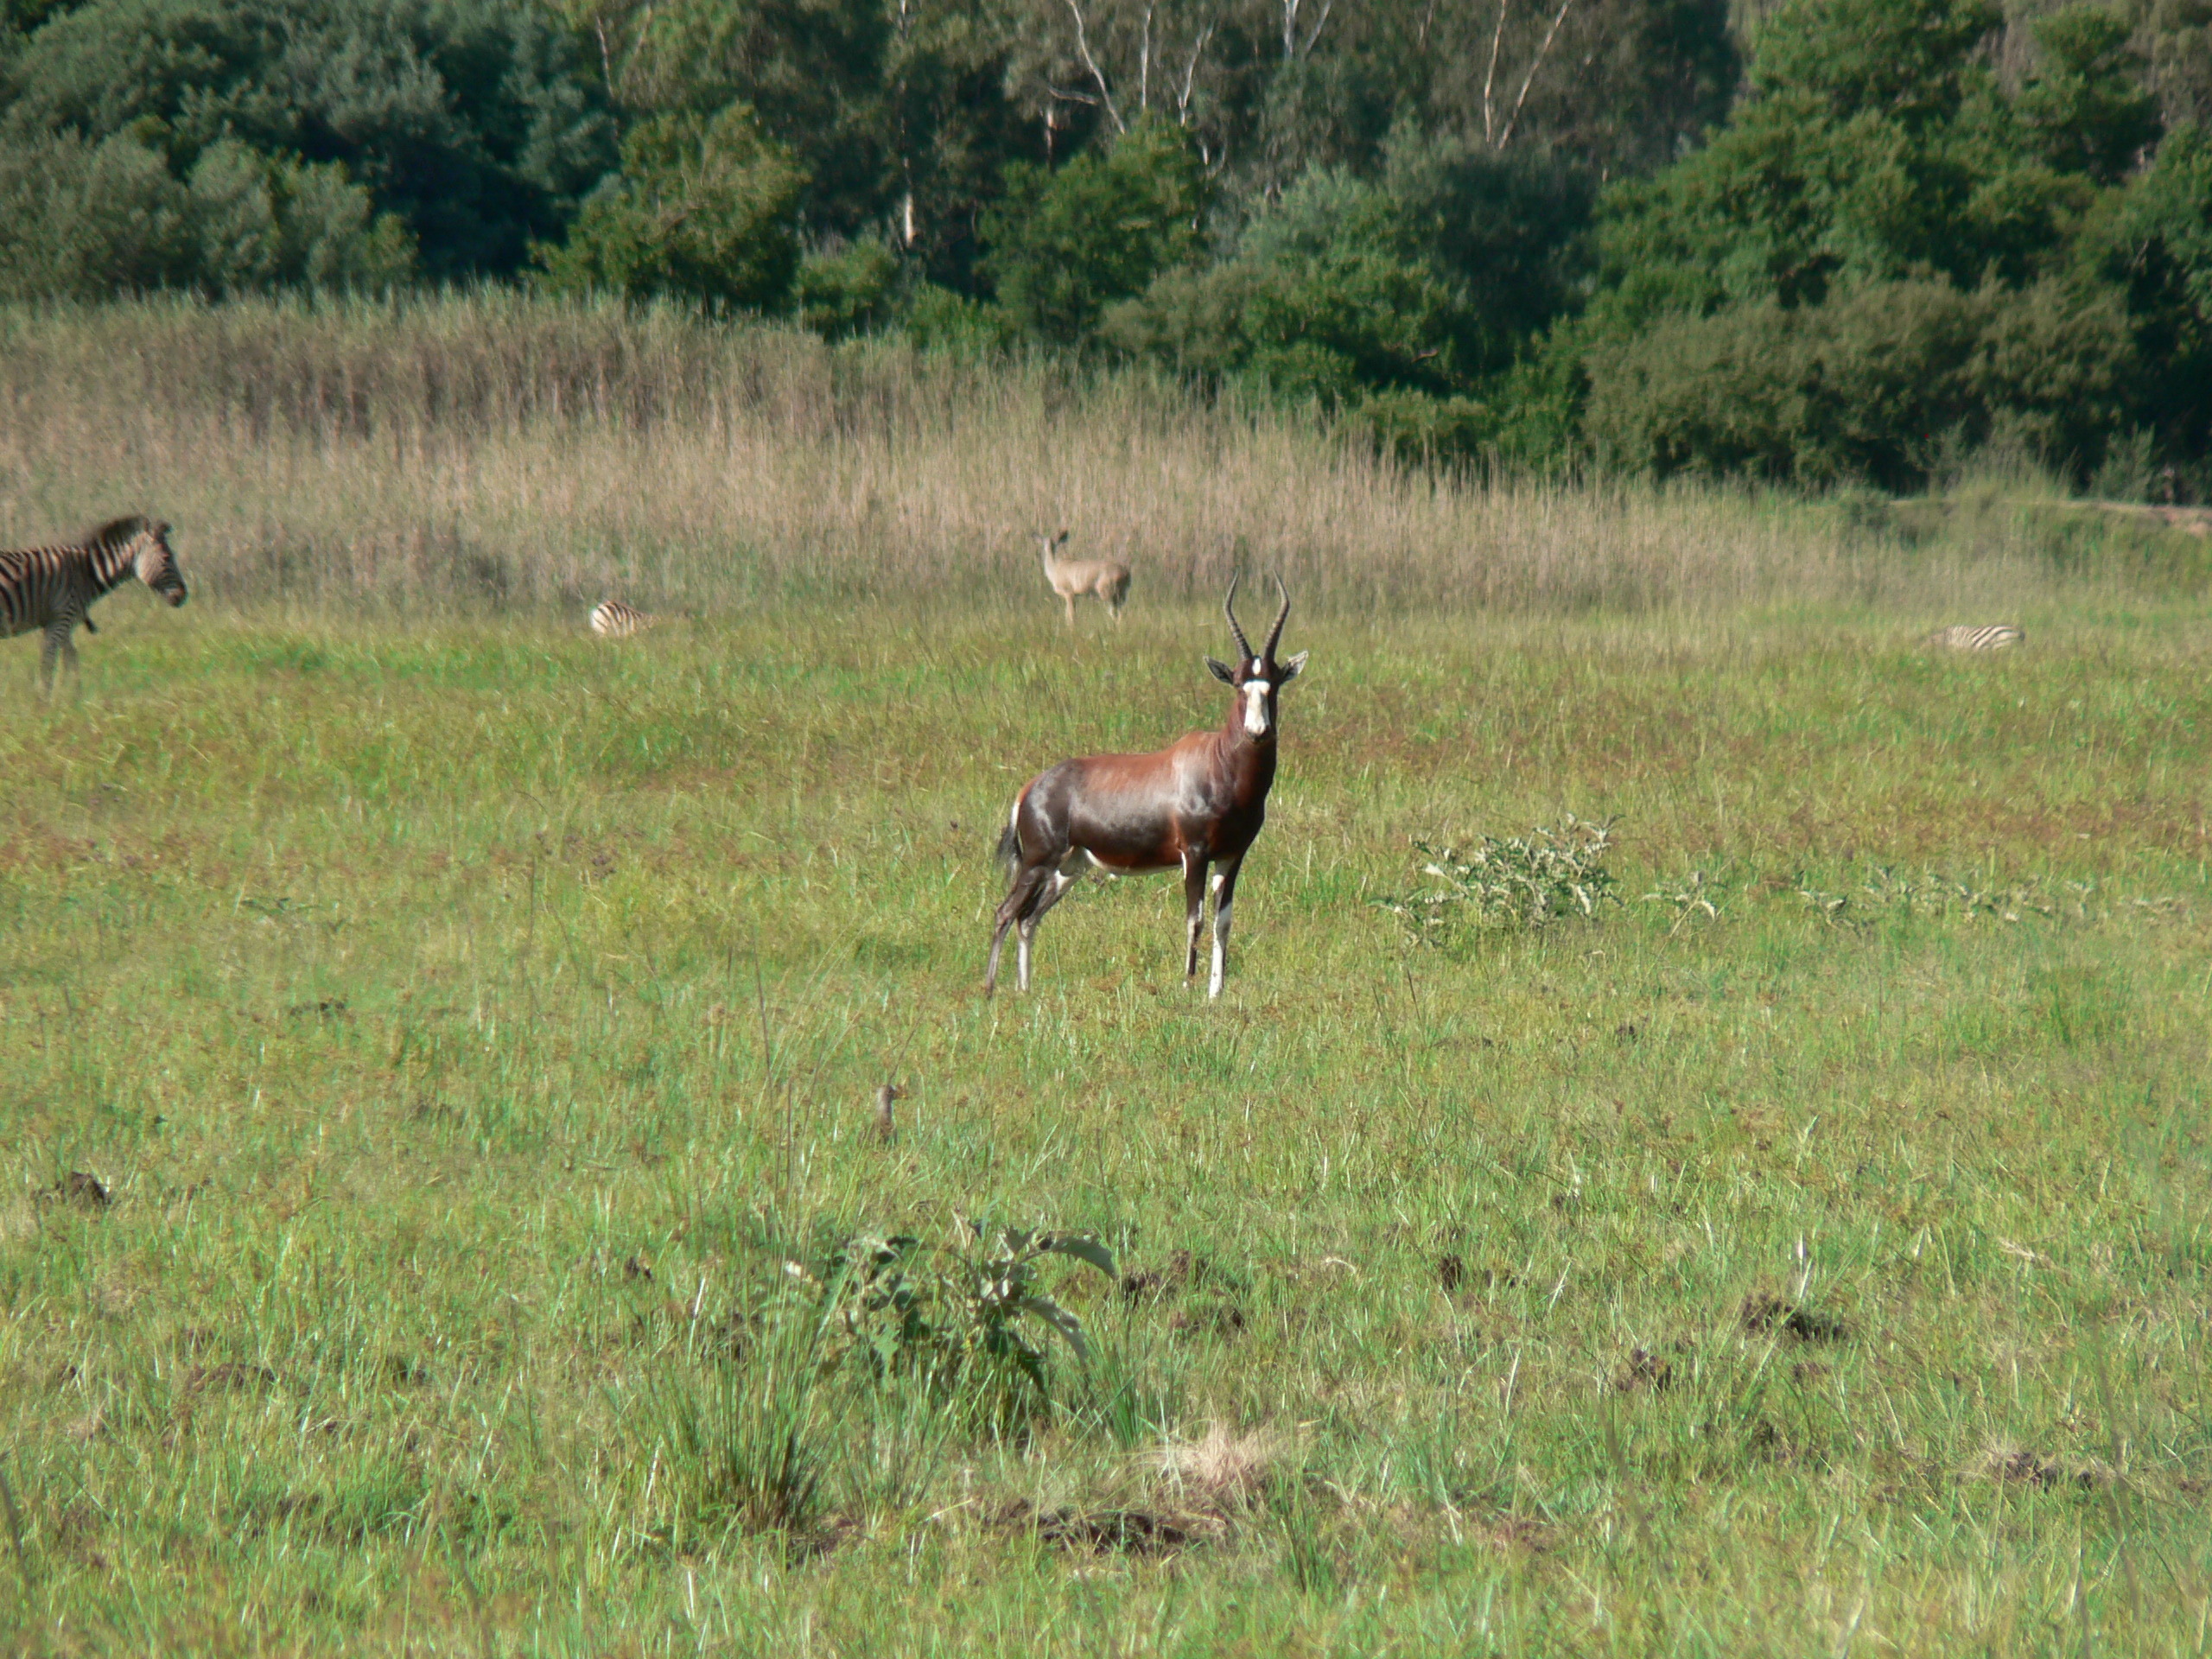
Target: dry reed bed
495 448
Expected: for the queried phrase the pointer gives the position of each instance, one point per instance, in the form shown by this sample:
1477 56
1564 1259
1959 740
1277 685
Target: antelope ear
1222 672
1292 668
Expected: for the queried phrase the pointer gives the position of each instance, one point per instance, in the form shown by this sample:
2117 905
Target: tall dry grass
495 448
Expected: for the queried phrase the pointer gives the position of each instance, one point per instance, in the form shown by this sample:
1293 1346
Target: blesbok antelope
1072 578
1197 803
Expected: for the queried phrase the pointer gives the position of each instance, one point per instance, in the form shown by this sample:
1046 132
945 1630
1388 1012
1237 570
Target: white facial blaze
1254 693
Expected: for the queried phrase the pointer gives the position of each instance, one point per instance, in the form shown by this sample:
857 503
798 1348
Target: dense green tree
473 120
2153 241
1064 245
1425 283
848 292
2087 105
1330 295
896 110
19 17
705 209
2175 39
1876 145
1879 385
85 220
1877 256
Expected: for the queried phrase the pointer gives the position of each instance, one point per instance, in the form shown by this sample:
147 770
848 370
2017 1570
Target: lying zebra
613 619
52 588
1967 636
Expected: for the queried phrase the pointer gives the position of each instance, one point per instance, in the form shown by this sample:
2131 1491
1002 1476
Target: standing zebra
1965 636
52 588
613 619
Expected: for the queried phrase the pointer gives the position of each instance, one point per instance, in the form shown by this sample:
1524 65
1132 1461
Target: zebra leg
1225 894
56 648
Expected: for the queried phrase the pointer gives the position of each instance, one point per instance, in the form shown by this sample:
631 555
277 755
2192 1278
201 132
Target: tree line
1828 241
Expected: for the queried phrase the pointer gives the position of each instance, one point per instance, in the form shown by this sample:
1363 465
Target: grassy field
439 1051
464 1025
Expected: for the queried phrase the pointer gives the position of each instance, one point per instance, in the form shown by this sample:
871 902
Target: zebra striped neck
113 563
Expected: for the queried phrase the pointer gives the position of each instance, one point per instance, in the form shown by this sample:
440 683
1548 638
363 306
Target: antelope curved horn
1281 617
1229 610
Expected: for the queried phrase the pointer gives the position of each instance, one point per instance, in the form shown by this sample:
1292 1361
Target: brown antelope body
1196 804
1072 578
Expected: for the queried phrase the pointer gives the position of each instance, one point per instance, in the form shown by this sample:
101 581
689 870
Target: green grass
464 1019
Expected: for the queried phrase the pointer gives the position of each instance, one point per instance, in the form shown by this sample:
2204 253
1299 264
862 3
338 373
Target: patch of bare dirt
1118 1531
1644 1371
2014 1465
1763 1313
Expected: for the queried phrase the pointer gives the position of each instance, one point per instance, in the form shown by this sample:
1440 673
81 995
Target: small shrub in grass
1936 895
1691 895
1520 881
967 1318
747 1441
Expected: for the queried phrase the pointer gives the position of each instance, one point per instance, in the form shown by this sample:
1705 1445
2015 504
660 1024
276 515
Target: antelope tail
1008 851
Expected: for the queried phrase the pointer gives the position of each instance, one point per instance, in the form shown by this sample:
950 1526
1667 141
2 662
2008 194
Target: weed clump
1515 883
1763 1313
968 1319
962 1328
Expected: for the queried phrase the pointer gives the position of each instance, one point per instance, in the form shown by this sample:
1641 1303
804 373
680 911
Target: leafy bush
473 121
84 220
2154 245
960 1331
966 1319
848 292
1064 245
1417 428
1872 386
1328 295
703 211
939 320
1522 881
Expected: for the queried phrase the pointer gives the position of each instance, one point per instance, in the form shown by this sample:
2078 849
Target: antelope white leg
1224 896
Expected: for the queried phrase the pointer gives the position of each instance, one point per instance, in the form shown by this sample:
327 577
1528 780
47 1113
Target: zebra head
155 564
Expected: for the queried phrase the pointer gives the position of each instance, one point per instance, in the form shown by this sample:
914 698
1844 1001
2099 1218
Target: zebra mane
116 531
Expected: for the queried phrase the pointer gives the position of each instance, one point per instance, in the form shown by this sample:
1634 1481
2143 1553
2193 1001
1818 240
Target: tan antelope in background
1197 803
1072 578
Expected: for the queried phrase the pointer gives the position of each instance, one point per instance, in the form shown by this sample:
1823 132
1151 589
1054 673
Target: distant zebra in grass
52 588
616 620
1965 636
